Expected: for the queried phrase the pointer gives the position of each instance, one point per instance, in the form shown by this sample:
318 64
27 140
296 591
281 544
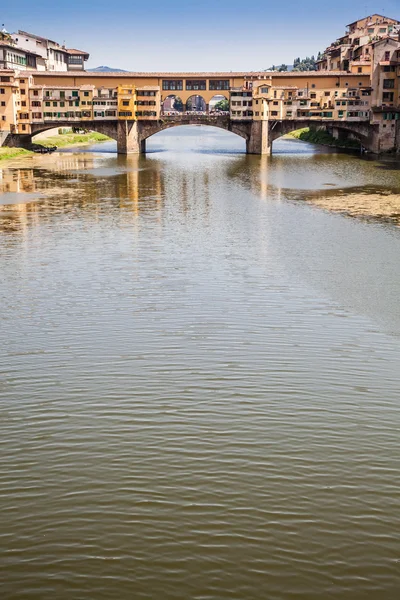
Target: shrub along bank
322 137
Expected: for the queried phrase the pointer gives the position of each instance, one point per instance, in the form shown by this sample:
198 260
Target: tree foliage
305 64
222 105
178 104
281 68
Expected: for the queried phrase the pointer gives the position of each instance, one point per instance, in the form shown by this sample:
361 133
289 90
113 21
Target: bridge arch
147 130
358 130
105 127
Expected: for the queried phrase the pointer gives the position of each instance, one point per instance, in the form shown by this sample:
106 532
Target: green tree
178 104
222 105
305 64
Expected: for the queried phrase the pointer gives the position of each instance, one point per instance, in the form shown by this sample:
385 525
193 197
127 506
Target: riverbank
72 139
323 138
9 153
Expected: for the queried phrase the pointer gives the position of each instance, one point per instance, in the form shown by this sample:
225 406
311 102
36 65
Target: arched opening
196 104
67 136
314 137
195 138
219 104
172 104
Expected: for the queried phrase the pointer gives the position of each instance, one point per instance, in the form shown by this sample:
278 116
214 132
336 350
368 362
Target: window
382 29
274 113
23 92
327 93
125 113
299 94
2 91
195 84
388 84
47 103
74 94
23 103
388 96
359 70
276 103
125 103
36 103
218 84
3 103
313 95
264 90
172 84
75 60
86 93
35 93
62 103
22 80
54 103
313 85
371 30
387 55
390 116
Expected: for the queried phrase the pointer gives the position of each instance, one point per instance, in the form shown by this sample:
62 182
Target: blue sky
160 35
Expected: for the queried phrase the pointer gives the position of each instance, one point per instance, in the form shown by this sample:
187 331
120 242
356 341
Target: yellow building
148 103
126 95
9 87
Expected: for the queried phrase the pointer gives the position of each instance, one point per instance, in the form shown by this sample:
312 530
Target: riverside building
342 90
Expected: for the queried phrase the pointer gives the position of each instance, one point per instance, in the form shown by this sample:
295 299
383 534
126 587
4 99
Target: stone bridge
259 135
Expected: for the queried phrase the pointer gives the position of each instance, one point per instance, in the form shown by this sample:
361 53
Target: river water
199 375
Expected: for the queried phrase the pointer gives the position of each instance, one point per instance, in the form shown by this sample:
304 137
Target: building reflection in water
89 185
80 185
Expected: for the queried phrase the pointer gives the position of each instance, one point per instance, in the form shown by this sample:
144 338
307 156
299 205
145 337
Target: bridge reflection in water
67 182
